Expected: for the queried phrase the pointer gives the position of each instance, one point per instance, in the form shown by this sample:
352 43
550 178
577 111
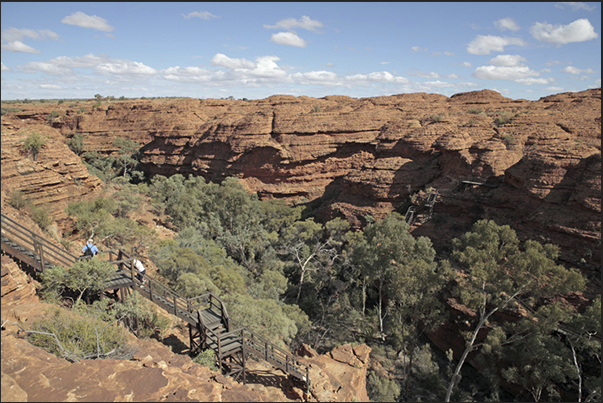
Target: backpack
88 251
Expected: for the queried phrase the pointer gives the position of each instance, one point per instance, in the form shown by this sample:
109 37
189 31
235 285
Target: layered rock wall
359 157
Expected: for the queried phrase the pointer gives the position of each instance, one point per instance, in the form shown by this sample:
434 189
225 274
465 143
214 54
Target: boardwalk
210 326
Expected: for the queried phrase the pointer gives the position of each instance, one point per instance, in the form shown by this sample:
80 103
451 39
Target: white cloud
575 6
304 22
507 60
204 15
289 39
224 61
466 64
484 44
578 31
419 73
50 86
449 53
511 73
506 23
186 74
575 71
20 47
379 76
4 68
87 21
532 80
103 65
418 49
13 38
124 67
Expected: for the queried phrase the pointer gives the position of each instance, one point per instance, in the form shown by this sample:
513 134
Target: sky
253 50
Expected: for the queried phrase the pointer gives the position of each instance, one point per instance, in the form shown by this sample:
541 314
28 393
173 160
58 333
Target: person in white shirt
138 264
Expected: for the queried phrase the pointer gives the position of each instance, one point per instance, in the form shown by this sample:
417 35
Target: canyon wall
348 157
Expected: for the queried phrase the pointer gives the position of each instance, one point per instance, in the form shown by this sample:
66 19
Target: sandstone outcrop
154 373
352 157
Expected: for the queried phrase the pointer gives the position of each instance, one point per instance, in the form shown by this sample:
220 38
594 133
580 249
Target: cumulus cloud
573 70
19 47
304 22
222 60
103 65
506 24
418 49
507 60
87 21
578 31
484 44
12 39
4 68
512 73
204 15
289 39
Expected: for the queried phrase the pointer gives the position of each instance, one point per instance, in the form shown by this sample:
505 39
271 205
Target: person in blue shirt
90 248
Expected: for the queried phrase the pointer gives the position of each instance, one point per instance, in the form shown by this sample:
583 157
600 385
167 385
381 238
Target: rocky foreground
154 373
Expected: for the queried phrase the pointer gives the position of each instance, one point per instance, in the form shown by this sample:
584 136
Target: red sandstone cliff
357 156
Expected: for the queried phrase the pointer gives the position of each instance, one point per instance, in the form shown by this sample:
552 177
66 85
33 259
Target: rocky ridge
350 157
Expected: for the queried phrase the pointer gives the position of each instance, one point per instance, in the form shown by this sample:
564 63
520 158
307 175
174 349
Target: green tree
381 389
127 156
303 242
498 274
84 275
33 144
538 363
76 143
91 214
584 337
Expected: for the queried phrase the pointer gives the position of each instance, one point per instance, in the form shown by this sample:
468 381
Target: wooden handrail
258 345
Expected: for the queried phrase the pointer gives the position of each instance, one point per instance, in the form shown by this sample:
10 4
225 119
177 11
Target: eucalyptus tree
497 272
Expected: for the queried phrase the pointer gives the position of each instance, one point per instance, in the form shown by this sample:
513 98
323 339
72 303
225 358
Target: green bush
207 358
33 144
41 216
381 389
76 143
17 199
76 337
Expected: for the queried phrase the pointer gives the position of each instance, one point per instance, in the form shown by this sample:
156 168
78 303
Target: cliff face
359 157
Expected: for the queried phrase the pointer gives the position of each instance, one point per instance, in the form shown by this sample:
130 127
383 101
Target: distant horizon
273 95
253 50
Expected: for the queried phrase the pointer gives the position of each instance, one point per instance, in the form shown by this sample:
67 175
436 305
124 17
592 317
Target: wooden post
175 309
243 348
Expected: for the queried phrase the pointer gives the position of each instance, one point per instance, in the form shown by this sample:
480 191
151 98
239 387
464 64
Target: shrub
381 389
475 111
76 143
33 144
17 199
41 216
207 358
509 140
503 119
76 337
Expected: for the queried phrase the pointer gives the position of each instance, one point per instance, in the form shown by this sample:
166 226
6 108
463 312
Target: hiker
90 248
138 264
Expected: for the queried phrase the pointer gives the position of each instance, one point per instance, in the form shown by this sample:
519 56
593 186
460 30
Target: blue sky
53 50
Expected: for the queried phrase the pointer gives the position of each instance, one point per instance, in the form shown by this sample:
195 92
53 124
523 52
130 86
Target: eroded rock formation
353 157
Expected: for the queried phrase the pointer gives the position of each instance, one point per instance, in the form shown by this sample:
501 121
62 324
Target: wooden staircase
210 326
